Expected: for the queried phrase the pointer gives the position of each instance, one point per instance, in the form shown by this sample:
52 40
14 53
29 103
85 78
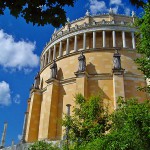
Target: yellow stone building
97 37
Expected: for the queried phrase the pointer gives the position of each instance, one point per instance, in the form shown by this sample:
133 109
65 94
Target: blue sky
20 47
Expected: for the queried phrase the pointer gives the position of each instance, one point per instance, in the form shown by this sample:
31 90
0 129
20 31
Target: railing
58 34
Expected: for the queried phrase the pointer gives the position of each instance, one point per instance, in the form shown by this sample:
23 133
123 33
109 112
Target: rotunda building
106 65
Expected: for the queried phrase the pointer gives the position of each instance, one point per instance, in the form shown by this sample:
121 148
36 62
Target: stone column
67 46
123 39
84 41
49 57
3 136
60 49
54 52
44 59
114 38
75 43
41 63
133 40
94 39
104 38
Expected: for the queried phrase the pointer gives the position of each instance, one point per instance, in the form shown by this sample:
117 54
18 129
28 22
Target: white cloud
115 2
97 6
127 11
115 9
5 97
19 137
16 99
16 54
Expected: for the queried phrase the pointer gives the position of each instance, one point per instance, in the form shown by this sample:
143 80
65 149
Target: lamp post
67 128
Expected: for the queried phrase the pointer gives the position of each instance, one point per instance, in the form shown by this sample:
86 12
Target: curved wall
97 37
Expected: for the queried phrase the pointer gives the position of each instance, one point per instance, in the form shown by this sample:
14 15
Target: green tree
89 120
42 145
130 128
38 12
139 3
143 44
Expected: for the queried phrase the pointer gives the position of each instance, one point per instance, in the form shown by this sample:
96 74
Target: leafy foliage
138 3
130 128
42 145
89 120
143 45
39 12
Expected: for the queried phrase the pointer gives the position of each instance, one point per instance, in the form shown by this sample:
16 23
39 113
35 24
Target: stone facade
98 37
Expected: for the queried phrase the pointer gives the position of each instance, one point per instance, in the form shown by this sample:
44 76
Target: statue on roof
133 14
111 12
37 81
82 63
87 13
54 70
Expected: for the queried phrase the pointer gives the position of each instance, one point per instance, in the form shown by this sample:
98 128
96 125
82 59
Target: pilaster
82 83
48 120
118 85
33 116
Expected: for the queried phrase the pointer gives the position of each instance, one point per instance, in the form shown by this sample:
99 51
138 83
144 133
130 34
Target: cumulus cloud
5 97
16 99
115 2
127 11
19 137
17 54
115 9
97 6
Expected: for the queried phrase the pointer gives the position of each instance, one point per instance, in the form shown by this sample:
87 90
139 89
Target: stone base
81 74
51 80
118 71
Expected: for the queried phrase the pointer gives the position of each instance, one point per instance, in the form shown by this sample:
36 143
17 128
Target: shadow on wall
94 86
60 74
60 111
90 68
41 84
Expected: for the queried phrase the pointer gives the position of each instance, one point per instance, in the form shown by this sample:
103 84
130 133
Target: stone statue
82 63
116 60
37 81
53 68
111 12
87 13
133 14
